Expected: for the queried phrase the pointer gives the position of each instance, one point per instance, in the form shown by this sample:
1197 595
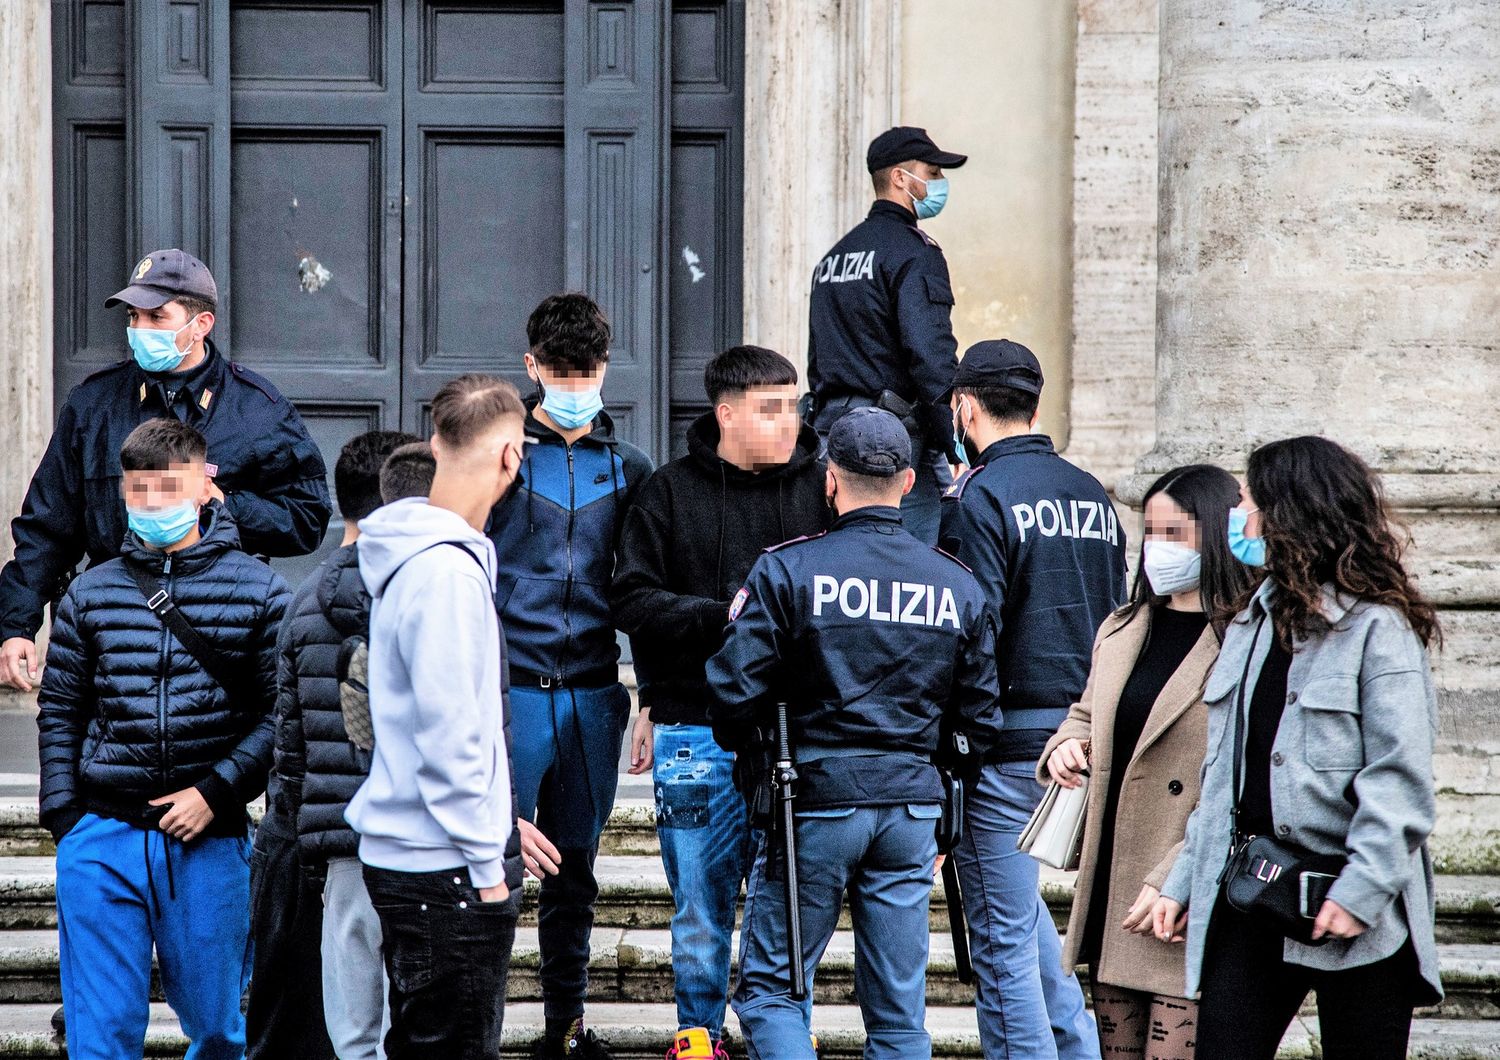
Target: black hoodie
690 538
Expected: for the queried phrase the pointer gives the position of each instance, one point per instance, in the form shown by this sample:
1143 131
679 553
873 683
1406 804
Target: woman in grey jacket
1339 721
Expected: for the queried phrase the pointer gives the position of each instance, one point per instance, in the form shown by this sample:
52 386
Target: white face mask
1171 568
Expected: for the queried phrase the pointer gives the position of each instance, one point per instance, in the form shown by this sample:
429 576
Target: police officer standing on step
874 641
1042 537
880 331
264 466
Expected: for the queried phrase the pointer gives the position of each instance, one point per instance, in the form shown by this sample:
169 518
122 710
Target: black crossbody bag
1279 884
230 676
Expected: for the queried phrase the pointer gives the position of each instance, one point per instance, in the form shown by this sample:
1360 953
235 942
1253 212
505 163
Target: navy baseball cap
999 362
164 275
906 143
870 441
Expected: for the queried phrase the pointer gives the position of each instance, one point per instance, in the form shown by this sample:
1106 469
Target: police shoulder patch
957 489
796 541
955 559
738 603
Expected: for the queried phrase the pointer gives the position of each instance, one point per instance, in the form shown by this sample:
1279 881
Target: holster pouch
904 411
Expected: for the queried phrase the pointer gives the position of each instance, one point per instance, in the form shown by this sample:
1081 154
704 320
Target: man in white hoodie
436 817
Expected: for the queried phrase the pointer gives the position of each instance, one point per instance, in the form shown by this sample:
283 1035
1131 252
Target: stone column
25 246
1329 262
1114 236
822 79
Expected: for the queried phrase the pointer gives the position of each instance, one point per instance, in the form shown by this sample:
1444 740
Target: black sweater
696 527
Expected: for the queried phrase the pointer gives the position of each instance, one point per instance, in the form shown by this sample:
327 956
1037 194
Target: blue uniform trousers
121 889
565 755
883 857
1029 1007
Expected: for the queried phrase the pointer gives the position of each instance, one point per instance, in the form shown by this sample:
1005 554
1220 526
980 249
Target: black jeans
447 955
285 1015
1250 997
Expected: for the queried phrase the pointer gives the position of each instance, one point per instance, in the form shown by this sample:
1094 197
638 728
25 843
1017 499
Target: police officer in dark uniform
1043 539
264 466
874 641
880 331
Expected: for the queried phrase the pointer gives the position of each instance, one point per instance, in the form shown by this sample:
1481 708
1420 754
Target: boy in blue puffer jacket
556 539
147 761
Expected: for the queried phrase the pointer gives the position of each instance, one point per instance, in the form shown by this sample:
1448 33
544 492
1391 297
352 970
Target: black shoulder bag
1278 884
229 675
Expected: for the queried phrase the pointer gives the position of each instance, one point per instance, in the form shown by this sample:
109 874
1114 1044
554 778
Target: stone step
635 965
633 893
642 1032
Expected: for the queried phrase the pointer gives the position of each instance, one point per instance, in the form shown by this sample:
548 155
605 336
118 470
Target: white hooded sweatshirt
438 793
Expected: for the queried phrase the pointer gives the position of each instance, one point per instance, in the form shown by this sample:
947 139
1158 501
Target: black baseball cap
999 362
870 441
164 275
906 143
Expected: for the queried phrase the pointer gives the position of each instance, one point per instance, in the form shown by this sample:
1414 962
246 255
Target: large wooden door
385 189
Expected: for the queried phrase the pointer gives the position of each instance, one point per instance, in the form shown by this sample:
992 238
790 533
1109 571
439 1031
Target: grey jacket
1351 774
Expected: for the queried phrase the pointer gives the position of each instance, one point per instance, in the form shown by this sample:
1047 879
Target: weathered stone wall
25 247
1329 262
1114 237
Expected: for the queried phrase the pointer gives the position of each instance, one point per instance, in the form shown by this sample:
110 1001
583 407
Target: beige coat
1159 792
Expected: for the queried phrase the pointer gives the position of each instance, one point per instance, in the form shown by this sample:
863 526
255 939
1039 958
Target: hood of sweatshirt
391 535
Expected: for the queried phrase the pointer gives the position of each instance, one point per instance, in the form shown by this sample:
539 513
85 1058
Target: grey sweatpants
354 989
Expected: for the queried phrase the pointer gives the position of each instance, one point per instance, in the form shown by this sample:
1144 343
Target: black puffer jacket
321 770
127 714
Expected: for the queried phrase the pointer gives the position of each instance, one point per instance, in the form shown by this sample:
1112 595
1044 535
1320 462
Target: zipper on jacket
161 694
568 583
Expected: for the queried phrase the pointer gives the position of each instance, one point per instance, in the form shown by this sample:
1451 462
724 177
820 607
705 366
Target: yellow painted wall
993 79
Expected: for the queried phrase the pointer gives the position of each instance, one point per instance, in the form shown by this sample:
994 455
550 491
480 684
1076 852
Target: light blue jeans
705 848
1029 1008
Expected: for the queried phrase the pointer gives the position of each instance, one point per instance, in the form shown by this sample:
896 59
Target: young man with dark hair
300 1004
155 731
407 472
751 479
1042 537
262 464
556 540
435 816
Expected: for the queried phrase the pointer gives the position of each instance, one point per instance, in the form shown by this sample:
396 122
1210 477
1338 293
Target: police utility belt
761 804
891 402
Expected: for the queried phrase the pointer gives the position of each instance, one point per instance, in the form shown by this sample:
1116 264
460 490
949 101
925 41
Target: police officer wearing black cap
870 638
879 320
1043 539
266 470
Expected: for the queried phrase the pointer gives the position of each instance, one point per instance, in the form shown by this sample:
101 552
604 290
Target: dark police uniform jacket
271 472
870 637
1043 539
880 319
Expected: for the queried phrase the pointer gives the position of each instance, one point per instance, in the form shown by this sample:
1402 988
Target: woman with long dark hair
1321 721
1141 728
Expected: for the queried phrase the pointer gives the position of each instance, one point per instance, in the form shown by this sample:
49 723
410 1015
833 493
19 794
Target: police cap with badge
164 275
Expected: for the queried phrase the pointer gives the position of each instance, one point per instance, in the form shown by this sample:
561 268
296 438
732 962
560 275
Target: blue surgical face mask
161 527
937 197
958 437
156 349
1251 551
571 409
